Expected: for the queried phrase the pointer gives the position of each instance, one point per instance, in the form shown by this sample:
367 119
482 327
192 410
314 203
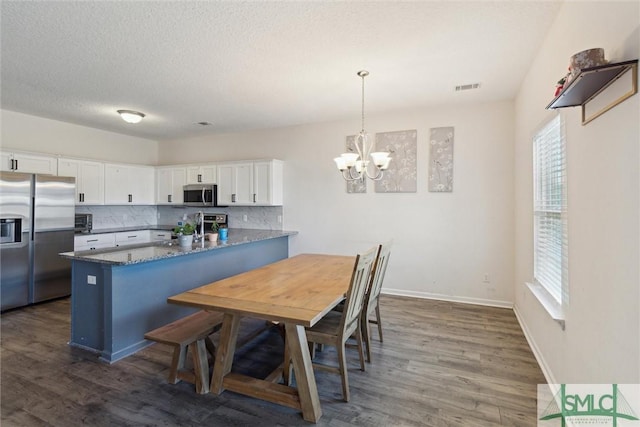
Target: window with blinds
550 209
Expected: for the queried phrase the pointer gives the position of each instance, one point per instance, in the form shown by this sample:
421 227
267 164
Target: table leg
303 369
226 350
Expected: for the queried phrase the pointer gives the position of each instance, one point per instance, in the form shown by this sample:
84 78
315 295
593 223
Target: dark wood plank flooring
441 364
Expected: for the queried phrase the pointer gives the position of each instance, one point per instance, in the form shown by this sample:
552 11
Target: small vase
185 240
212 237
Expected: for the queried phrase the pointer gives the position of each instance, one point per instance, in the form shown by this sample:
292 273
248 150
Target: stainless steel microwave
200 195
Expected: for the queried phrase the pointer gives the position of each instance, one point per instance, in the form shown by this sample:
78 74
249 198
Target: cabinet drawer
132 237
93 241
160 235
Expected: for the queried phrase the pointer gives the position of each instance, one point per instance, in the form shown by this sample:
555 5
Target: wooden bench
190 333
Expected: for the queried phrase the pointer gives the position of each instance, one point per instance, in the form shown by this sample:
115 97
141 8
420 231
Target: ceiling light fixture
131 116
354 166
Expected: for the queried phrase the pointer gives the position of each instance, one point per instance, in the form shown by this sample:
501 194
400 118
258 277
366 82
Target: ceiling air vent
468 87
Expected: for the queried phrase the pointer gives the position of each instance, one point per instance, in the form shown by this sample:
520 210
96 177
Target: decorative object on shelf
441 160
131 116
355 165
212 234
185 234
586 59
591 82
401 177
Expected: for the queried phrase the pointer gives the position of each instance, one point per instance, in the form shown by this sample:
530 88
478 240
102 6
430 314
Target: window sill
553 307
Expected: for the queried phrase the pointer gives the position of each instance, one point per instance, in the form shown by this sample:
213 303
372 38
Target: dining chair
335 328
372 298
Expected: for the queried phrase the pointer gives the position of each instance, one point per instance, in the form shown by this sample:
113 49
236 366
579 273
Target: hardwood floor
441 364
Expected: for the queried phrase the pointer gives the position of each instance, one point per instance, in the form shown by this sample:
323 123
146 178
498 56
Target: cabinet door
268 183
209 174
244 184
69 167
169 185
194 175
29 163
226 184
141 184
92 180
199 174
262 183
6 161
89 180
179 179
117 185
164 187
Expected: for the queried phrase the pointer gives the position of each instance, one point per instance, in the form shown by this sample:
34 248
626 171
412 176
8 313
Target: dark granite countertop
134 254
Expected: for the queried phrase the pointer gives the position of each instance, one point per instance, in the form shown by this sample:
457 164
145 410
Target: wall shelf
591 82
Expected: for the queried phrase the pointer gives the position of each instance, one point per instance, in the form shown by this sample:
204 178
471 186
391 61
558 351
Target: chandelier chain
363 76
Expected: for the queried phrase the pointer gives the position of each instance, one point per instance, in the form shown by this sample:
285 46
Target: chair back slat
357 289
377 276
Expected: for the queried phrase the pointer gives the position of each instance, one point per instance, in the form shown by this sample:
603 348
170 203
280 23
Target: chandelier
354 166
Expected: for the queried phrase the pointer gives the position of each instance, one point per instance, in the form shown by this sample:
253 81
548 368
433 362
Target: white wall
35 134
601 343
444 244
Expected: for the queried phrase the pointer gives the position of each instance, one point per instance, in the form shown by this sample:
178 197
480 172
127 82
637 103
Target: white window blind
550 209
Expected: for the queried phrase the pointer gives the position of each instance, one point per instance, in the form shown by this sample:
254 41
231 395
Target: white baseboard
546 371
442 297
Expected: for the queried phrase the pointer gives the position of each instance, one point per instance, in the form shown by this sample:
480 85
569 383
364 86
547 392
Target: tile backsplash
254 217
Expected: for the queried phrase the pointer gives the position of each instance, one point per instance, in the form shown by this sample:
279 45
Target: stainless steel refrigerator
37 223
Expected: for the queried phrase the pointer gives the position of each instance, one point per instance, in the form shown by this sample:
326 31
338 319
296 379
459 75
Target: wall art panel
402 172
441 160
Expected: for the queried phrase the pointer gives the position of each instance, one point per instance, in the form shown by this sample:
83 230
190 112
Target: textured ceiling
252 65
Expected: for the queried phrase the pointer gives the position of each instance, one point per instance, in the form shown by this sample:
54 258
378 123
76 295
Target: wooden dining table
296 292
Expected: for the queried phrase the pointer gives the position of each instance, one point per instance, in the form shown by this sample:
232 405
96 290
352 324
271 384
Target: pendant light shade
131 116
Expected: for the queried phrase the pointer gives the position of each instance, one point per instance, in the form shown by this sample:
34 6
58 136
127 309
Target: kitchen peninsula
120 294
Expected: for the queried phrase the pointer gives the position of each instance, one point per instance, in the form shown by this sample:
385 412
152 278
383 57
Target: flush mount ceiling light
131 116
354 166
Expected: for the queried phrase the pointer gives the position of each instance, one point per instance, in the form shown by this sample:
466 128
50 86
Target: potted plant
185 234
212 234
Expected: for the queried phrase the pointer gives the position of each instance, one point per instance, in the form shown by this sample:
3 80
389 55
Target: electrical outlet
279 219
486 278
91 280
244 218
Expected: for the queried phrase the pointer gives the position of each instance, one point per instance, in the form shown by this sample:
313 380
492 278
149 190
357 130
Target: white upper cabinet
235 184
28 163
169 183
198 174
268 183
129 184
89 179
256 183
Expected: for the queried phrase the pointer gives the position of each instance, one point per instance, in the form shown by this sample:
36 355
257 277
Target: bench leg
200 366
211 348
177 364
